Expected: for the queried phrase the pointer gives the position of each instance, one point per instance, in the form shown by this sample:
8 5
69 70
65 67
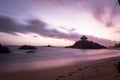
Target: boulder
4 49
27 47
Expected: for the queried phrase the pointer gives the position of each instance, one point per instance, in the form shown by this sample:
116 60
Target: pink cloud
99 9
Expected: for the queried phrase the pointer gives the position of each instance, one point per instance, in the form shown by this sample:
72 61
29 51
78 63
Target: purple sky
59 22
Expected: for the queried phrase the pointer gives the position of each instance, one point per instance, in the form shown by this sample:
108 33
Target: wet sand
105 69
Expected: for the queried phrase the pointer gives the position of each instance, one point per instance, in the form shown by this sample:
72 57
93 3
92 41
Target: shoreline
88 70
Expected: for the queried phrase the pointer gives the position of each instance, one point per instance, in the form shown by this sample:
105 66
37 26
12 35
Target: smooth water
46 57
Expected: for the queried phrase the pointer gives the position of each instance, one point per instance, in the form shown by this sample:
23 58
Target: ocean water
49 57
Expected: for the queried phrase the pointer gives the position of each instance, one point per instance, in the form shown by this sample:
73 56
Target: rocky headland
84 43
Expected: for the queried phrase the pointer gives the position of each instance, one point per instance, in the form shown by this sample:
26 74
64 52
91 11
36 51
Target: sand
105 69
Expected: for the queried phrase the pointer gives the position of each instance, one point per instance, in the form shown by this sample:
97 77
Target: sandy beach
89 70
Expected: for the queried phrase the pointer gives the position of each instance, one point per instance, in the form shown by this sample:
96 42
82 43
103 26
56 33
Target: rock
4 49
86 44
30 51
49 46
27 47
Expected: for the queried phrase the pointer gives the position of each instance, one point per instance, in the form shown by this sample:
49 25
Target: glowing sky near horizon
65 21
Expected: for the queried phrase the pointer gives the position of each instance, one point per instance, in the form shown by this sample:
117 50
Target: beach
88 70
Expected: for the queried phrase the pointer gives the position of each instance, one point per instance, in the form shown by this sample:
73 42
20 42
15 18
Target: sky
59 22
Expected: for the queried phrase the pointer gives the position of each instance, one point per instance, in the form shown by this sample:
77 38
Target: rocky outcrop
27 47
48 46
86 44
4 49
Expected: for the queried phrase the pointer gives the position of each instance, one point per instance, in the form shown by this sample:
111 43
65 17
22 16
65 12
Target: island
84 43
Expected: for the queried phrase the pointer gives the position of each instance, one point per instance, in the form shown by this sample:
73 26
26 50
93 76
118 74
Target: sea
50 57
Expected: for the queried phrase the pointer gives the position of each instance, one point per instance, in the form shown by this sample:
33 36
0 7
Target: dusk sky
59 22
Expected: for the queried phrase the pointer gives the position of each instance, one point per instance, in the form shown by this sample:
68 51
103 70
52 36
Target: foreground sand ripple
101 70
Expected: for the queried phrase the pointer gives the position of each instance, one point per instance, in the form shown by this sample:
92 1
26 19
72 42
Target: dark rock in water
49 46
86 44
4 49
30 51
27 47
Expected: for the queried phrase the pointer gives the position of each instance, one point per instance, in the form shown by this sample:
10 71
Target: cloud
10 26
103 10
